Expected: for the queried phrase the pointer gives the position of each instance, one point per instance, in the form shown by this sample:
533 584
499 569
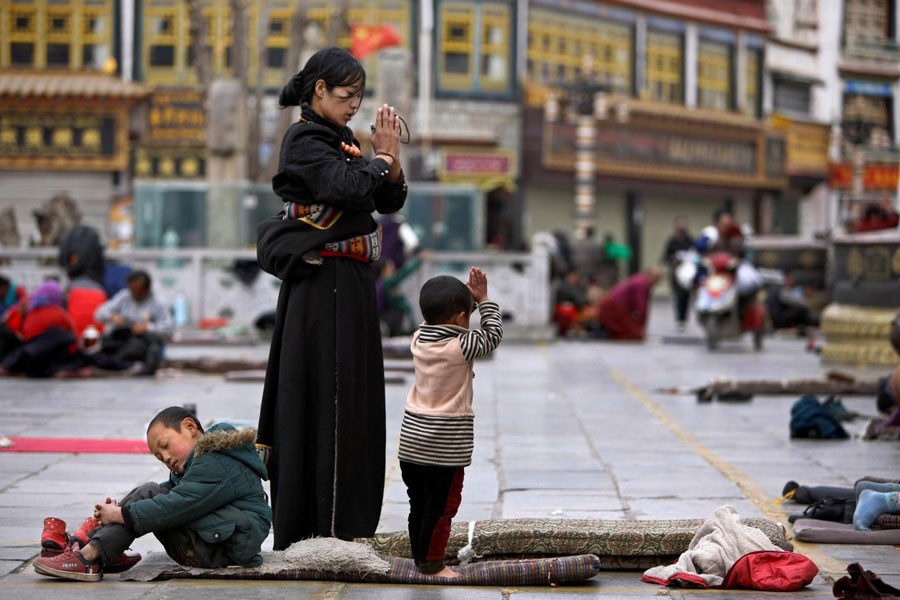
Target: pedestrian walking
679 243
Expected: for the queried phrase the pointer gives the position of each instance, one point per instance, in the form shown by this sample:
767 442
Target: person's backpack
809 419
829 508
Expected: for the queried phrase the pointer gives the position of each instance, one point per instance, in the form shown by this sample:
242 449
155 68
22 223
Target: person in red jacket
83 298
45 311
47 334
623 311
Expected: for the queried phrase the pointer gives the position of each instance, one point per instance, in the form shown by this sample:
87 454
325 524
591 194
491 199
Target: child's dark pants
434 496
183 545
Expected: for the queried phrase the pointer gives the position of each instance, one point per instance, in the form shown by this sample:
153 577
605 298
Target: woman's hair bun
290 93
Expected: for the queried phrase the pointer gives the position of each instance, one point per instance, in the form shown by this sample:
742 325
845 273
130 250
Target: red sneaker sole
51 572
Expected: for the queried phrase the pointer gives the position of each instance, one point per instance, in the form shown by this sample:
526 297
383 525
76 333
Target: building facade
865 158
740 103
681 131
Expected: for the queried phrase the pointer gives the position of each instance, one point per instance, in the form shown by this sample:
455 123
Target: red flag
366 39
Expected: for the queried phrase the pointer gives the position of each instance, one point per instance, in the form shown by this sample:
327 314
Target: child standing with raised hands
437 433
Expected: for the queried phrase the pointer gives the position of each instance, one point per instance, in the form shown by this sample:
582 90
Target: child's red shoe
125 561
69 565
54 539
83 535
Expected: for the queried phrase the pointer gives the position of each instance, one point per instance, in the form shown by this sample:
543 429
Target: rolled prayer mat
620 544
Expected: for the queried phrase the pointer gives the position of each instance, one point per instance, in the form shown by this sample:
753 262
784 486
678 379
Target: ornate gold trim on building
65 121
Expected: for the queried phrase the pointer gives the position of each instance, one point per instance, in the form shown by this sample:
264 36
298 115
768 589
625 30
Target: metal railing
213 287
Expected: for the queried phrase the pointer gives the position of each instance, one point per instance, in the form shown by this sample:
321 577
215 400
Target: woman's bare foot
446 572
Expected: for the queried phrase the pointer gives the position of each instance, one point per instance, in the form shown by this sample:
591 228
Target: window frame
474 83
41 36
576 32
647 90
729 65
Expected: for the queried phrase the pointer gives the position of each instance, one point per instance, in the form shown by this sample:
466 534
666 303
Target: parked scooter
719 301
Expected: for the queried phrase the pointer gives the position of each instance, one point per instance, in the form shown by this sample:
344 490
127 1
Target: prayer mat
546 571
75 445
620 544
830 532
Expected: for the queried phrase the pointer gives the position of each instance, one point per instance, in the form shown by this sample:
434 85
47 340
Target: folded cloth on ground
545 571
620 544
717 545
829 532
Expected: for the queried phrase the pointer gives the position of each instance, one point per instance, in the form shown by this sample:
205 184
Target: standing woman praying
322 419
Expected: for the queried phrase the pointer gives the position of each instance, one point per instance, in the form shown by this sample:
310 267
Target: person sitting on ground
12 298
571 308
81 255
10 294
623 311
788 306
138 327
211 513
47 335
877 216
887 427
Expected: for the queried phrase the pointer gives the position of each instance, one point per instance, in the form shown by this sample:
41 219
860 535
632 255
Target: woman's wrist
382 154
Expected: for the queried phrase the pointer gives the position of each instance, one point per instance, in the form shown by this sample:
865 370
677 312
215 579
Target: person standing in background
678 243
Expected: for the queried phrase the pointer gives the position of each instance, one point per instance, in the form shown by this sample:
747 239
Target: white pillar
127 47
426 83
691 53
640 55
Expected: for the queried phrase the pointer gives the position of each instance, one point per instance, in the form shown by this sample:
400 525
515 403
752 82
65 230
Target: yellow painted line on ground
830 567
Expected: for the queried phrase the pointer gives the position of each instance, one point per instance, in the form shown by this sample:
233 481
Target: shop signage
868 88
177 115
875 177
485 168
676 150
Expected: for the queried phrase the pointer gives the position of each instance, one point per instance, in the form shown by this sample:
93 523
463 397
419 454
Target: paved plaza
571 429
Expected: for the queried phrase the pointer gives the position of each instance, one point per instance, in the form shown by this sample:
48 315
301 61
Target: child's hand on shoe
108 512
477 284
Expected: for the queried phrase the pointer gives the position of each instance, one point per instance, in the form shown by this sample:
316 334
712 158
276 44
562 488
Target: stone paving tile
10 551
417 592
564 499
885 565
533 479
687 508
519 512
651 483
47 500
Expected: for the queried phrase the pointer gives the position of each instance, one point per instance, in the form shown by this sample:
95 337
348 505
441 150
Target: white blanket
716 546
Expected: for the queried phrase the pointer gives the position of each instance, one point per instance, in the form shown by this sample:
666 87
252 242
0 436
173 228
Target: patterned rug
546 571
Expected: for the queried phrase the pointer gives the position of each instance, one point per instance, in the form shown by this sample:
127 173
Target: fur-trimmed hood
220 437
238 444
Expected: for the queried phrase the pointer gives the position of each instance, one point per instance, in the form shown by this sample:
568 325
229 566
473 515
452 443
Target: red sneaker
69 565
54 539
125 561
83 535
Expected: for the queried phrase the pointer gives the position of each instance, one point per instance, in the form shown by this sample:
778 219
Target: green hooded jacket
219 495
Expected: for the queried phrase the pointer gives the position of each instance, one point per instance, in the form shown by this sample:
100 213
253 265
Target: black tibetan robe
322 412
